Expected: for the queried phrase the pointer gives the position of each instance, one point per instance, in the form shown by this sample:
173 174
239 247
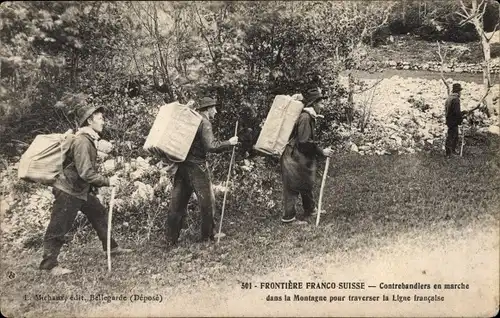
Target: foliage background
132 57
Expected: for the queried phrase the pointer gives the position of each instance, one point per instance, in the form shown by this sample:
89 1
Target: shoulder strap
293 136
66 144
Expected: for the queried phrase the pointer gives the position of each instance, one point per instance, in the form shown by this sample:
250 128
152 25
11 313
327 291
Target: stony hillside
407 115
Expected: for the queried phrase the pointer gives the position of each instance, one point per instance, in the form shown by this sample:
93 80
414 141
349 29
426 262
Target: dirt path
469 256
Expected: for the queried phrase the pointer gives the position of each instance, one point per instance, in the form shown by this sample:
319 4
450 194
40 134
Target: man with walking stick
299 159
73 191
193 175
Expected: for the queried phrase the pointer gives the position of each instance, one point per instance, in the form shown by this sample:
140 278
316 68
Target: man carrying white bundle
73 191
193 175
298 161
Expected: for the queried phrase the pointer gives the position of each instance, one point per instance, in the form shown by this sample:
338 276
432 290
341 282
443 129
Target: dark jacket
298 161
80 172
304 138
204 142
452 110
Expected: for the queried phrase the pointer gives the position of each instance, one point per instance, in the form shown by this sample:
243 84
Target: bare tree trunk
74 66
478 24
475 16
404 12
166 77
486 73
442 59
155 78
134 55
350 100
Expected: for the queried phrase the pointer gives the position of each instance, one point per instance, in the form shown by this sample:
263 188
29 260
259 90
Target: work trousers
451 140
290 198
63 215
188 178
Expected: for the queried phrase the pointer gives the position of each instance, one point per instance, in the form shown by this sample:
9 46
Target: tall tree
473 13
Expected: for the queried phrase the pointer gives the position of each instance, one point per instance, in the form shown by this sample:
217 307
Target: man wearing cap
193 175
298 161
73 190
453 119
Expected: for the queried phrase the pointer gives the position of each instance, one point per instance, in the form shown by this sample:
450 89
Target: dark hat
206 102
313 95
85 111
456 88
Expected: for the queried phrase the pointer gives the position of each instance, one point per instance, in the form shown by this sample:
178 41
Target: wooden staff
462 141
327 164
227 183
110 218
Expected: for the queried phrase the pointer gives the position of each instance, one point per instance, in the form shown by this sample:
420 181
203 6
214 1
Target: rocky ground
407 115
26 207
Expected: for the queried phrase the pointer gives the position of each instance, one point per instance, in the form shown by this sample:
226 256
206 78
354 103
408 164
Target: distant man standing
73 191
298 161
193 175
453 119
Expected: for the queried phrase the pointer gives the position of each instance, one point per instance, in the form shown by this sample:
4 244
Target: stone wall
436 66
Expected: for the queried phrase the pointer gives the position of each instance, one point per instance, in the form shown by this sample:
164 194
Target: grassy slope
368 199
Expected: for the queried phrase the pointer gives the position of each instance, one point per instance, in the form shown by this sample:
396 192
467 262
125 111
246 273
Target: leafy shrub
397 26
491 16
429 31
405 18
380 36
261 186
454 32
433 21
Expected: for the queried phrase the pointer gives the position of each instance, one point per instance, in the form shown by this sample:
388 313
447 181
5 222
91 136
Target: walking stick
227 183
463 141
327 164
110 218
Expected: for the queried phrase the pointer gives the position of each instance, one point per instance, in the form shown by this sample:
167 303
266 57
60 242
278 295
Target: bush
378 37
405 18
261 186
429 31
397 26
491 16
463 34
454 32
433 21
